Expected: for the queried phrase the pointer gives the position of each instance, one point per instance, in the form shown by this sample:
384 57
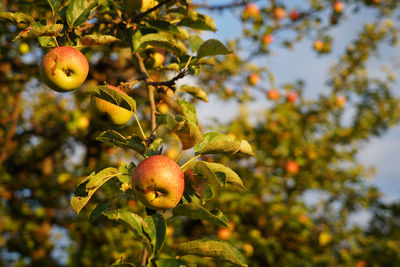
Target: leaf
166 119
113 96
206 171
189 111
55 5
163 25
114 138
188 133
198 21
217 249
79 11
170 263
231 177
17 17
197 212
37 30
89 186
98 39
214 142
126 172
194 91
212 47
155 227
98 210
160 41
195 42
133 221
245 148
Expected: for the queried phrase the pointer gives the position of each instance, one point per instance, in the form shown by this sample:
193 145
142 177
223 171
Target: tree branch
141 15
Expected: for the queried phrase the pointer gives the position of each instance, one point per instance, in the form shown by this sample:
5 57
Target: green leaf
89 186
195 42
215 178
189 111
198 21
217 249
245 148
214 142
163 25
166 119
55 6
212 47
37 30
114 138
194 91
113 96
79 11
197 212
98 39
126 172
231 177
133 221
170 263
98 210
16 17
155 227
160 41
188 133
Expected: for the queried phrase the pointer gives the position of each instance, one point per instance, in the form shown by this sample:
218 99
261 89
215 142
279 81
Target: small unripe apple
23 48
248 249
292 167
273 94
294 14
291 97
279 13
163 108
109 114
64 69
253 79
251 11
318 45
267 39
158 182
324 238
341 101
155 58
338 6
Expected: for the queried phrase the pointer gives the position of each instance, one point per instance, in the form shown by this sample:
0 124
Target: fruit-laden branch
141 15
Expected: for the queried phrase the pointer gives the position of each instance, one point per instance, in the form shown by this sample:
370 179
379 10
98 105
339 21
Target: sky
302 62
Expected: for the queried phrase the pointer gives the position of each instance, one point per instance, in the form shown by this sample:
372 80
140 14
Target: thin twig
145 254
138 16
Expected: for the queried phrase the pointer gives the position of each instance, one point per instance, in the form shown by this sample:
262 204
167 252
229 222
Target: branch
223 6
141 15
169 83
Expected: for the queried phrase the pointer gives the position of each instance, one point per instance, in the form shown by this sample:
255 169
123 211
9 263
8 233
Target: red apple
268 39
279 13
292 96
292 167
253 79
109 114
158 182
273 94
251 11
64 69
294 14
338 6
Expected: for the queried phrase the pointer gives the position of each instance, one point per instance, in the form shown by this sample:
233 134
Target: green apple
109 114
135 6
158 182
64 69
154 58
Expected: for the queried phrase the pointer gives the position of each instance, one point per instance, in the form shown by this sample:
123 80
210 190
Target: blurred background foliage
47 144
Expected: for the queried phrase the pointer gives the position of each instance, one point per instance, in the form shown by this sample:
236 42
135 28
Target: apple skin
292 97
253 79
64 69
109 114
292 167
273 94
158 182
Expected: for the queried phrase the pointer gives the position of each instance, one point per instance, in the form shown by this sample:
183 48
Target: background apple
158 182
273 94
64 69
292 96
268 39
251 11
108 113
253 79
279 13
294 14
338 6
292 167
341 101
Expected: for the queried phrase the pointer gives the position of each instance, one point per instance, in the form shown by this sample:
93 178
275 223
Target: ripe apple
134 6
158 182
279 13
268 39
224 233
292 96
294 14
273 94
107 113
155 58
318 45
341 101
253 79
292 167
338 6
361 264
64 69
251 11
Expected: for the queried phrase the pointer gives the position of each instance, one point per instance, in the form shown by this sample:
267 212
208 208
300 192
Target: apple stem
188 162
140 127
55 40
